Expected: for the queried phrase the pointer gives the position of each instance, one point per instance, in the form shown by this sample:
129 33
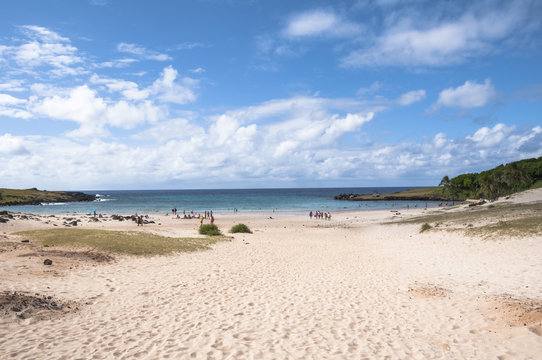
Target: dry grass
527 226
498 220
120 242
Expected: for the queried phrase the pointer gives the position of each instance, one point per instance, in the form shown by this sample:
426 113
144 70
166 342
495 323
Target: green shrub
209 229
240 228
425 227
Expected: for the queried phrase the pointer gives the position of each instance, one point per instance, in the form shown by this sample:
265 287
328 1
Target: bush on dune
209 229
240 228
425 227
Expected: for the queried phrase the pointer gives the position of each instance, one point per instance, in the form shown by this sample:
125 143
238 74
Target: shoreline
401 204
365 284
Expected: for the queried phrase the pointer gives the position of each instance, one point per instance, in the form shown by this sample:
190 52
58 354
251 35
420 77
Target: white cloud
168 90
118 63
46 49
10 100
469 95
374 87
14 113
12 145
320 23
83 106
142 52
43 34
13 107
240 146
198 70
13 85
410 39
440 140
128 89
171 129
411 97
490 137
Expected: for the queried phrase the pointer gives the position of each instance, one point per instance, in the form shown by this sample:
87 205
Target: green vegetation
500 181
209 230
425 227
426 193
537 184
36 197
120 242
240 228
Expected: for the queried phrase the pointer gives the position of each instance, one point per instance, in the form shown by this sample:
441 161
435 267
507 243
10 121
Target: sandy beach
363 285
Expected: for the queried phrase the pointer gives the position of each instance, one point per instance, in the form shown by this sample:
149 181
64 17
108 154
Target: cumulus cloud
12 145
240 145
85 107
469 95
102 103
489 137
320 23
411 97
169 90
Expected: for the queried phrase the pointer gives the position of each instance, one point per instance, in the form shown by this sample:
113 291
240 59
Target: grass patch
425 227
209 230
240 228
120 242
499 220
517 227
491 213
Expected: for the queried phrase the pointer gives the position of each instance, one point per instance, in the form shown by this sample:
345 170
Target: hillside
490 184
34 196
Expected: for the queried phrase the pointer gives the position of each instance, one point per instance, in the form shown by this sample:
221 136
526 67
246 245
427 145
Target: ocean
222 201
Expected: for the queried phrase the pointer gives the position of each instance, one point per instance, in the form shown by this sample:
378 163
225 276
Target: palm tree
447 186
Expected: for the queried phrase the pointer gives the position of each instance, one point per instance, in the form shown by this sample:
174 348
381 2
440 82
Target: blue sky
104 94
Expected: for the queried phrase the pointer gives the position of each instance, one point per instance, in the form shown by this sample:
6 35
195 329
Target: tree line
500 181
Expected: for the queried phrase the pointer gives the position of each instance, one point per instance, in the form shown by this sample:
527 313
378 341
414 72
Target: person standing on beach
310 214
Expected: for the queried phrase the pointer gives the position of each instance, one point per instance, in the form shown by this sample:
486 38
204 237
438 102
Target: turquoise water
221 201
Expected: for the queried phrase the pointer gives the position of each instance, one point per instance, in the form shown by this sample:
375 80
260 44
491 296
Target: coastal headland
9 197
448 283
421 194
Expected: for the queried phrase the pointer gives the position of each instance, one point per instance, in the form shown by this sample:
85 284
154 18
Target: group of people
192 215
320 215
139 219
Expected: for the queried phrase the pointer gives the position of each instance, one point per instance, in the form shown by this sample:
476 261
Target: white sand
349 288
